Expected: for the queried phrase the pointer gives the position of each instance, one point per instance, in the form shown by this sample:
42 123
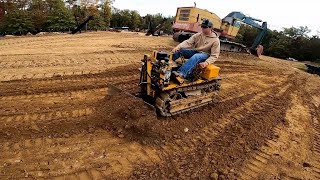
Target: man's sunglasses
204 27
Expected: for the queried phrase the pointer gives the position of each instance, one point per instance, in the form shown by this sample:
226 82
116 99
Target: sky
278 13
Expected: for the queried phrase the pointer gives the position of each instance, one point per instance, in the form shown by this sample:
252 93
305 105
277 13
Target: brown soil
58 121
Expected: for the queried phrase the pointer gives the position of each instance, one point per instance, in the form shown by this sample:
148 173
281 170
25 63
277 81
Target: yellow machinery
188 20
159 88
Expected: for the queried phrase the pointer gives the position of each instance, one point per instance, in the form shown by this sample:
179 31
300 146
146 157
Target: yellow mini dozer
160 88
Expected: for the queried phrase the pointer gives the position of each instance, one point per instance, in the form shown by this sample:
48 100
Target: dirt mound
128 117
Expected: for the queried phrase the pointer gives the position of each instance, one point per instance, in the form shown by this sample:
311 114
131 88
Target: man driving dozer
202 48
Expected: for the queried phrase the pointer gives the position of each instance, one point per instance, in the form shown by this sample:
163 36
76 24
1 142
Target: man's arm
187 43
215 52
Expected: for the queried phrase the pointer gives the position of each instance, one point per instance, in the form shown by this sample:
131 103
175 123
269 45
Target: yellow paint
196 14
210 72
149 66
234 31
203 13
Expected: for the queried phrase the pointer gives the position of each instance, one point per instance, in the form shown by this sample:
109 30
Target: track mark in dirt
68 61
98 72
51 95
55 124
50 102
201 152
316 143
245 124
230 87
63 75
98 154
51 115
91 174
261 161
210 132
255 165
287 154
312 101
27 87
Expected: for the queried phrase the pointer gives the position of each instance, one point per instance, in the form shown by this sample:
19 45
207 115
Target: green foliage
39 14
18 23
59 17
23 16
167 27
125 17
2 13
34 16
291 42
16 20
135 20
246 35
297 32
106 12
97 23
157 23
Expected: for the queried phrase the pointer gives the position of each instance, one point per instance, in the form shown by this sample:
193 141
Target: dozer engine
160 88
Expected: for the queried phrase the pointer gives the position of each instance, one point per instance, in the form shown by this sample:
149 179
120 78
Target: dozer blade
113 90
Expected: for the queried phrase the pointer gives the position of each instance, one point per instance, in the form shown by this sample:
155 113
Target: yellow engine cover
210 72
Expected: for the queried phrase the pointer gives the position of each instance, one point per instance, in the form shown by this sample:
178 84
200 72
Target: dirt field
57 120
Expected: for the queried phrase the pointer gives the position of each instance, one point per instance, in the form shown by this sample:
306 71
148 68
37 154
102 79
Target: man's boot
178 77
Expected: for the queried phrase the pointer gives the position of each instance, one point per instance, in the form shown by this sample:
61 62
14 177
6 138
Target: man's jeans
195 57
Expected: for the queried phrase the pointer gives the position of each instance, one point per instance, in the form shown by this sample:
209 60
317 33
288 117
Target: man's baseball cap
206 23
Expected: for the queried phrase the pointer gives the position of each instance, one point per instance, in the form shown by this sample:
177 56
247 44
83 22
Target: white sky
278 13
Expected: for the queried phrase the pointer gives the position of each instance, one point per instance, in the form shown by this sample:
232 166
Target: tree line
289 43
19 17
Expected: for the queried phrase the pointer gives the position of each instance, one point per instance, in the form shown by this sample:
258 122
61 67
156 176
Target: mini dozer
172 95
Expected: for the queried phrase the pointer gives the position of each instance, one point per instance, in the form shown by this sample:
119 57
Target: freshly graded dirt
58 119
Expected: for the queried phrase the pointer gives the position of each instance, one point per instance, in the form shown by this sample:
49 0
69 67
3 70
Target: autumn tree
98 22
106 12
39 13
18 23
59 17
16 20
135 21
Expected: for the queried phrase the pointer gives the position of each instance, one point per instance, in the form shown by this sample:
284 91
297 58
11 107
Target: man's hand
203 65
175 49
